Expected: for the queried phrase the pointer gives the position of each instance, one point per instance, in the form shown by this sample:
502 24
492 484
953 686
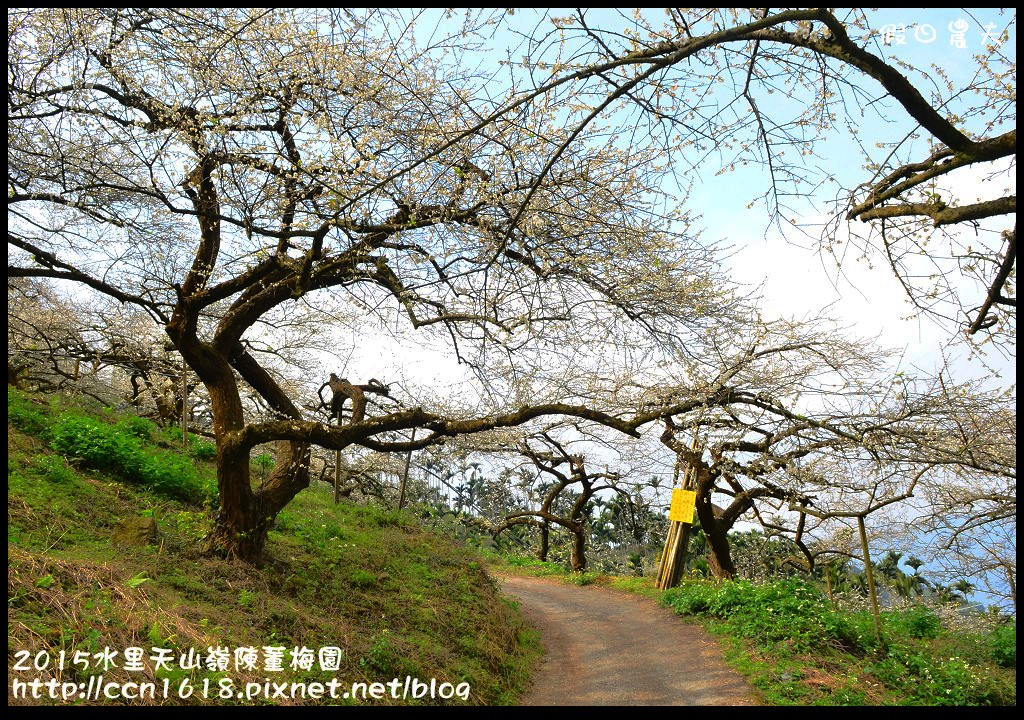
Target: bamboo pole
405 474
667 551
667 555
689 483
337 466
871 576
184 407
1013 586
680 554
677 543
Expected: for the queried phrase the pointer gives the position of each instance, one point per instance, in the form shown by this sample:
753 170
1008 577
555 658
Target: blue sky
795 280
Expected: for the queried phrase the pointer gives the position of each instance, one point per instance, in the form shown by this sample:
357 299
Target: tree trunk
241 535
542 552
246 517
719 555
579 546
238 532
716 531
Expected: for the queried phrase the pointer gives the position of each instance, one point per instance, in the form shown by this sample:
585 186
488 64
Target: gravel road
607 647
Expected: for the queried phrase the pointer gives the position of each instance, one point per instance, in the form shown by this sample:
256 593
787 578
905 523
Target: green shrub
924 679
203 450
98 444
119 450
791 612
25 415
917 622
789 621
1003 644
173 435
172 475
137 426
362 579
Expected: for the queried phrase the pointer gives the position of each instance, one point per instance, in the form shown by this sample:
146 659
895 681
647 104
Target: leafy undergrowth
796 649
397 600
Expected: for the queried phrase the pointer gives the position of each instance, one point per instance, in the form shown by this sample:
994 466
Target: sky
793 278
786 268
797 280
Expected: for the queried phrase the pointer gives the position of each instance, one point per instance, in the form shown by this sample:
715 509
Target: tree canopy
783 90
213 167
239 179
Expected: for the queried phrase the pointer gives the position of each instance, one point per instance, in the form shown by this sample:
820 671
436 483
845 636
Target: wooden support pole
673 558
1012 582
667 555
871 576
337 467
405 473
689 483
680 555
668 551
184 406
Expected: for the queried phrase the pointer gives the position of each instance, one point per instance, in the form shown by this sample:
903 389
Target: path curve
608 647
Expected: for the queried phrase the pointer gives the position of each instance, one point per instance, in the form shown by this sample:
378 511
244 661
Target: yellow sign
681 509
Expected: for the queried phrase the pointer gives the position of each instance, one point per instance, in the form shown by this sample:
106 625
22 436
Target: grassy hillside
398 601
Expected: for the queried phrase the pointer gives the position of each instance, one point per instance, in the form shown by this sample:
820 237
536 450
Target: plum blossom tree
219 168
781 89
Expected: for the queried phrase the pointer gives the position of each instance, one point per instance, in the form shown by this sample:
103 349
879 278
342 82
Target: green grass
522 565
395 598
125 450
537 568
796 649
127 447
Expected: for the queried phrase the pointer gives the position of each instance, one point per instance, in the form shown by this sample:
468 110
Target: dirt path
606 647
